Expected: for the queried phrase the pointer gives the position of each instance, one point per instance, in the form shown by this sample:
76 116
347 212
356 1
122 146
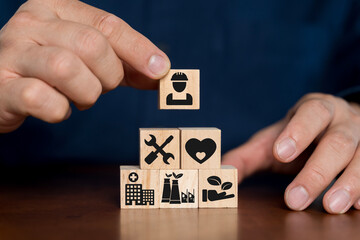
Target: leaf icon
214 180
178 176
168 175
226 185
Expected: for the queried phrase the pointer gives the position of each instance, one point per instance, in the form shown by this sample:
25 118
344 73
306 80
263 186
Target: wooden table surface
82 202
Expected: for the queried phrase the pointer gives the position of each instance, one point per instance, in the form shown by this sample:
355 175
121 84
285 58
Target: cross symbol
133 177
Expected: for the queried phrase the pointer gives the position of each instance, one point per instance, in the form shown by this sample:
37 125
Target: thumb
256 154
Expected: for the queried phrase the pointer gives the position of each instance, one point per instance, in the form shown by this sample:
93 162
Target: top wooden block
180 89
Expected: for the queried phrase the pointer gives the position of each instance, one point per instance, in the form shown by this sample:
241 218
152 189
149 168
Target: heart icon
200 151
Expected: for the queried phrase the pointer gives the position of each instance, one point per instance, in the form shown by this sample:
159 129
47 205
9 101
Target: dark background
256 59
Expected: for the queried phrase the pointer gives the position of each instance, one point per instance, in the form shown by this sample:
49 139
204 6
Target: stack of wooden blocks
179 167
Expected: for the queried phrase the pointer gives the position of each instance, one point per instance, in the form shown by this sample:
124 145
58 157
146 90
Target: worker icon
179 81
180 89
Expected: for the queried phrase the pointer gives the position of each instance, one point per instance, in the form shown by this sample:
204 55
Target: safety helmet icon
179 81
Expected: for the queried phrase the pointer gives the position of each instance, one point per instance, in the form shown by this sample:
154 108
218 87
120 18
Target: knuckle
61 64
110 25
341 142
298 130
316 174
30 96
90 43
23 18
321 107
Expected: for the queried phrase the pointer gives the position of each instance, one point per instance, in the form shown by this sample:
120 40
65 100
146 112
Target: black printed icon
213 195
200 151
135 194
133 177
171 192
179 81
151 157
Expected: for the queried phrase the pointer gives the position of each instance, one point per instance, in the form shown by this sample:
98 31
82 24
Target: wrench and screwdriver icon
159 149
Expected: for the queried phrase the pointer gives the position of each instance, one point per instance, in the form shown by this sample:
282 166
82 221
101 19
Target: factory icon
171 192
135 194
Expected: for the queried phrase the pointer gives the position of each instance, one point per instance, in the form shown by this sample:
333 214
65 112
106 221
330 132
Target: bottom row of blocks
208 188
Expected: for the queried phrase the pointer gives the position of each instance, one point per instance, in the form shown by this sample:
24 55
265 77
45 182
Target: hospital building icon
135 193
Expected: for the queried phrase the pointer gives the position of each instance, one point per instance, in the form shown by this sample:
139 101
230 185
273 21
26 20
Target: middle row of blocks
175 148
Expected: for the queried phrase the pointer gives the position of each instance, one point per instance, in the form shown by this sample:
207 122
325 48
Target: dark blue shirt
256 59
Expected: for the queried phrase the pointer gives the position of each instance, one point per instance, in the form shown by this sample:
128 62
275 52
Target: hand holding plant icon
213 195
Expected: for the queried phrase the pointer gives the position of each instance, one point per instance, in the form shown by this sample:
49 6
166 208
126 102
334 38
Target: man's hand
319 139
56 51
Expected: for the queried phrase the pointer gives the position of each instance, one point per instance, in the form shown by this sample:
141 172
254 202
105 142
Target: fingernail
339 201
297 198
158 65
286 148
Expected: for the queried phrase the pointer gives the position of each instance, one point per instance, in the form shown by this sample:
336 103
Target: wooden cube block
179 189
200 148
180 89
218 188
159 148
139 188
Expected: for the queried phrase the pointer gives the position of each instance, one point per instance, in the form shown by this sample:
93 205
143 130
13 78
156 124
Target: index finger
131 46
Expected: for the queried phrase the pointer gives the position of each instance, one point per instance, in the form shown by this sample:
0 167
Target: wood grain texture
192 88
218 187
82 202
188 159
139 188
179 189
161 135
